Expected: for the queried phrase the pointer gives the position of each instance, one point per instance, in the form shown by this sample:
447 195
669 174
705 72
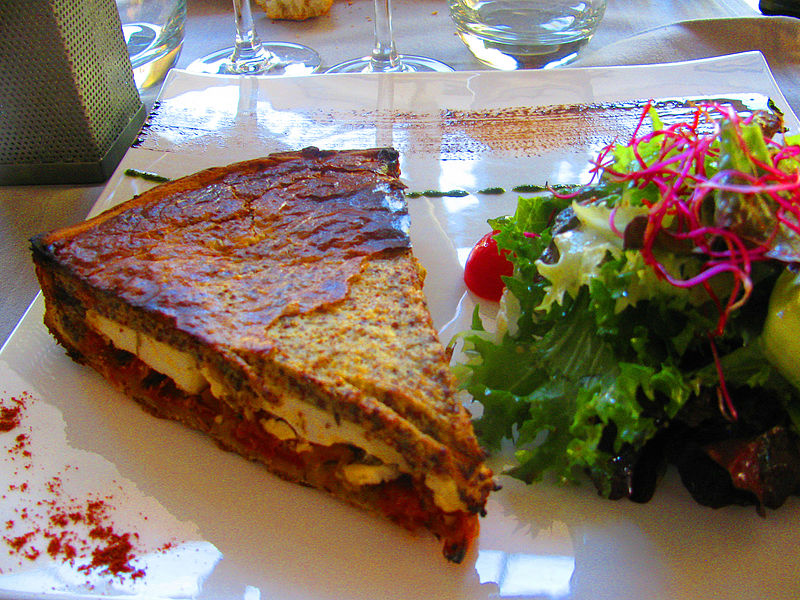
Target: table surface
345 32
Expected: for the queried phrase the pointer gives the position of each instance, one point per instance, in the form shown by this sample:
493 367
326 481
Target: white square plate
206 524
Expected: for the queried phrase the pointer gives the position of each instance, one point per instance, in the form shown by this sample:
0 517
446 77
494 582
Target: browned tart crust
276 305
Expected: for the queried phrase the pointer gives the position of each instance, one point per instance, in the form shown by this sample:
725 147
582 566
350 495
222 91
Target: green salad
653 318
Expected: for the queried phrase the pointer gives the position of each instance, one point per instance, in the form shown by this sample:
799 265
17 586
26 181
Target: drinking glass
153 33
526 34
384 57
250 56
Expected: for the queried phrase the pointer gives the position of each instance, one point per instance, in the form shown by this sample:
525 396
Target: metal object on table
70 105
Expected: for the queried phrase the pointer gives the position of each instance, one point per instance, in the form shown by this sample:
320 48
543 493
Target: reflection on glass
526 575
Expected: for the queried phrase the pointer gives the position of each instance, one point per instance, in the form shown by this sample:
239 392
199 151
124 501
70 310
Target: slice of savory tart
276 305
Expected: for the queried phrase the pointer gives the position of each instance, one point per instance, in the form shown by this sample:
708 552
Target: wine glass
384 57
250 56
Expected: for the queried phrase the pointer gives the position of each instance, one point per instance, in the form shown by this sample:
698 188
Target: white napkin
777 38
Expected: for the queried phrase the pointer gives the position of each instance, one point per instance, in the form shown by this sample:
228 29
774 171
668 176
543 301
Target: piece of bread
295 10
276 305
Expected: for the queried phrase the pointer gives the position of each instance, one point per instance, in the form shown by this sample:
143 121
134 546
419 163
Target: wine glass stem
248 53
384 54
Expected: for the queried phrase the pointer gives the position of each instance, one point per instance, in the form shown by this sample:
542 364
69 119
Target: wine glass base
406 63
292 59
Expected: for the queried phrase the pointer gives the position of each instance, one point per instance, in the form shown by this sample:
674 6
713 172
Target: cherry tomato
485 266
